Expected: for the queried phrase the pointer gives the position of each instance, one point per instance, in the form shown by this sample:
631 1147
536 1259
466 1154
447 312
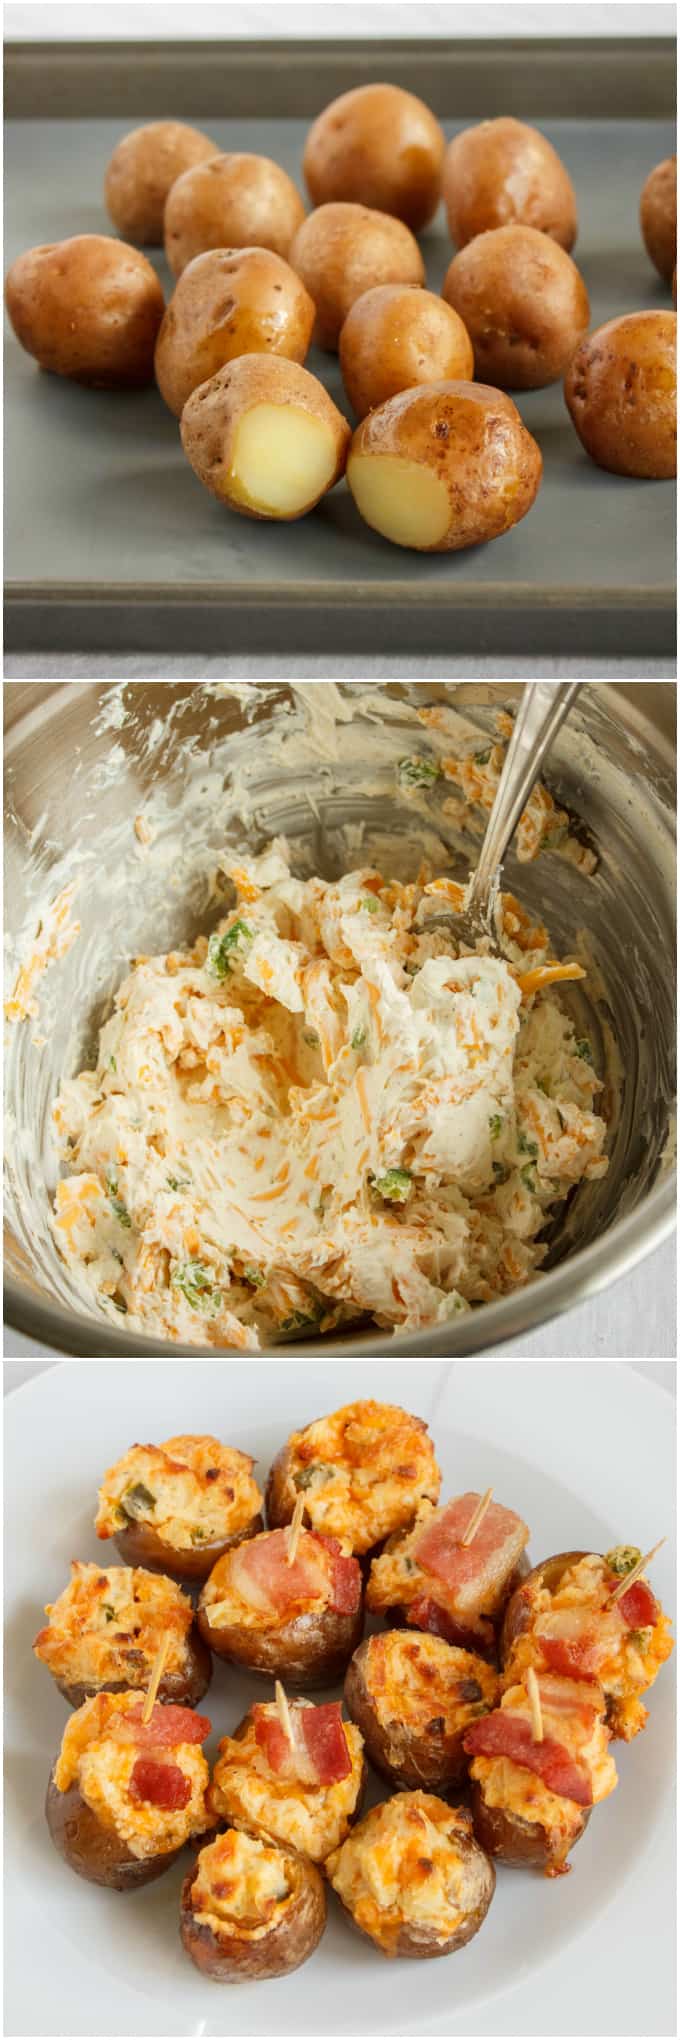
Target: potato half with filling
125 1795
88 309
503 173
265 437
250 1909
413 1698
621 394
413 1878
342 250
364 1471
443 467
659 216
234 201
105 1630
303 1784
532 1795
562 1619
176 1508
295 1619
437 1578
141 171
396 336
377 146
523 303
228 302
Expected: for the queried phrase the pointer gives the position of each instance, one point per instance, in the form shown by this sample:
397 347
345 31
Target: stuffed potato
342 250
250 1909
177 1507
142 170
430 1579
444 466
377 146
562 1619
296 1619
125 1795
88 308
523 303
503 173
228 302
413 1878
413 1696
363 1471
532 1795
265 437
299 1779
105 1629
621 394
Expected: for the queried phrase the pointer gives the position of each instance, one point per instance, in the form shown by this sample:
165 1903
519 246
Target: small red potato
176 1508
88 308
306 1640
235 201
228 302
524 304
142 169
377 146
250 1909
396 336
659 216
342 250
620 391
503 173
265 437
104 1632
444 467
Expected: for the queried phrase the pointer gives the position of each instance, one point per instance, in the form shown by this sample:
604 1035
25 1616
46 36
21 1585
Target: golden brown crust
423 1942
377 146
184 1688
620 391
658 217
342 250
141 171
525 1843
96 1852
233 201
524 304
281 1493
228 302
503 173
88 308
230 1957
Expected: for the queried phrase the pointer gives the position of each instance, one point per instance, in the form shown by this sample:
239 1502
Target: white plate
586 1452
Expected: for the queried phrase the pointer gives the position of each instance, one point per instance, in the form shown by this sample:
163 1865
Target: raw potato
502 174
235 201
342 251
88 308
265 437
658 217
444 467
396 336
228 302
620 391
142 169
524 304
377 146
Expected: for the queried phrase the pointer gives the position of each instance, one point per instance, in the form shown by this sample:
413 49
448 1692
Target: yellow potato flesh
405 502
283 460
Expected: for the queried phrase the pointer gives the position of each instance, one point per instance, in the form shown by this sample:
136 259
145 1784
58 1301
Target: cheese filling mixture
109 1623
322 1114
403 1864
313 1818
241 1883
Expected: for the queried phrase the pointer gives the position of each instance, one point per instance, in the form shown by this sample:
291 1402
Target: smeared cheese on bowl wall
320 1115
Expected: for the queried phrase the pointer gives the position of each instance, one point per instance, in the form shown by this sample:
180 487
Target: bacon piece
346 1581
159 1784
503 1734
319 1754
424 1613
166 1728
573 1657
638 1606
263 1577
474 1574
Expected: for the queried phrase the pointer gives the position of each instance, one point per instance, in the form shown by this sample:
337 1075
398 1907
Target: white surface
140 20
589 1459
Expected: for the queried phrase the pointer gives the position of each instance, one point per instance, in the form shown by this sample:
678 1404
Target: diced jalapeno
137 1500
418 771
622 1558
495 1124
583 1050
526 1146
358 1037
312 1476
222 948
108 1611
394 1187
116 1202
195 1283
254 1275
482 757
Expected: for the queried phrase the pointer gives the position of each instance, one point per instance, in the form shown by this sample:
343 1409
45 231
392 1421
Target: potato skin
522 1843
140 1544
184 1688
96 1852
503 173
473 437
524 304
227 302
431 1760
342 250
311 1650
517 1617
377 146
234 201
620 392
232 1958
141 171
658 217
88 308
211 416
396 336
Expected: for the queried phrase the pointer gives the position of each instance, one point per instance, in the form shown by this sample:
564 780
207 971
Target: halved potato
412 1849
140 1544
443 467
243 1939
413 1696
265 437
526 1844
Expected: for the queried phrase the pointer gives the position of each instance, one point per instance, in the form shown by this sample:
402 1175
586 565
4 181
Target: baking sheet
112 543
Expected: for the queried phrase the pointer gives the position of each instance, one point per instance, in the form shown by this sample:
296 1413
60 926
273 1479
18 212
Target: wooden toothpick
476 1517
293 1537
283 1711
535 1705
156 1676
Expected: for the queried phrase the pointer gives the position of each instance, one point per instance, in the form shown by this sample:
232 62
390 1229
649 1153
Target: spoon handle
542 710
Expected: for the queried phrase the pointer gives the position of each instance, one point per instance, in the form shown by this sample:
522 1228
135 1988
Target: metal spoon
542 710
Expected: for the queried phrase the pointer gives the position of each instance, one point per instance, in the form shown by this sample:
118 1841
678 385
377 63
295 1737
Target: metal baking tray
111 542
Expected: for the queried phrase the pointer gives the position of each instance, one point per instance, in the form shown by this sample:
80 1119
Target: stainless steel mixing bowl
83 760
